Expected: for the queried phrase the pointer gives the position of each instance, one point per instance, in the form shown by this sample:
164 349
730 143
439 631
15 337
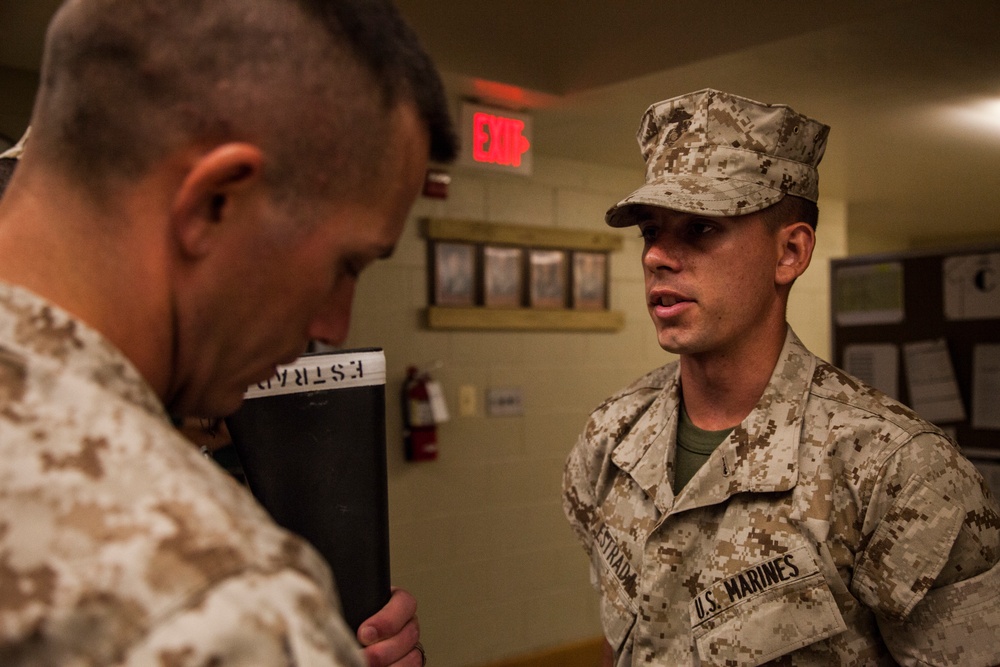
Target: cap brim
714 197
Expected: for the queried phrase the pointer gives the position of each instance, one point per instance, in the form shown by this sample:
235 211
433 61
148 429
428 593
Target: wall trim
586 653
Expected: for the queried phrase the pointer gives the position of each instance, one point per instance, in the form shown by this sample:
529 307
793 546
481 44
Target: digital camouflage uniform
832 527
119 543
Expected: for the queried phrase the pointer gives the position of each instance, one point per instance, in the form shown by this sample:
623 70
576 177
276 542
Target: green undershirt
694 446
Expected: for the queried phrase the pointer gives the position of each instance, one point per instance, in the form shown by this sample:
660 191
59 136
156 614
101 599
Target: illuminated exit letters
496 139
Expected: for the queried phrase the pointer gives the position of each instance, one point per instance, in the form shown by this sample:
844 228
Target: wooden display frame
572 316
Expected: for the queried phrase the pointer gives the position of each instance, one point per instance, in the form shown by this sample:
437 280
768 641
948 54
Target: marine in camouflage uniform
831 526
119 542
128 287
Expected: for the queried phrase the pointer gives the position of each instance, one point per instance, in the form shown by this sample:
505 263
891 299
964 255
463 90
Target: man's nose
661 256
331 325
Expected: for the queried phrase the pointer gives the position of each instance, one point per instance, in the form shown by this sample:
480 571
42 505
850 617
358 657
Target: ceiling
892 78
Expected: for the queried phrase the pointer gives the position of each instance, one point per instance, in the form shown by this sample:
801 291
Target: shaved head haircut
125 83
791 209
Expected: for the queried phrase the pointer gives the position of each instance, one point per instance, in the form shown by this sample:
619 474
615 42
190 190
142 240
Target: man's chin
220 401
230 407
674 345
209 407
229 403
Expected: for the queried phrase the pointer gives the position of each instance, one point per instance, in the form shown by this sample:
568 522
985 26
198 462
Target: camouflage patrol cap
718 154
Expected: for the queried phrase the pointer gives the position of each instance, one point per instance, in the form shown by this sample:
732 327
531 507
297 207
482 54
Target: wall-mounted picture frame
490 299
547 278
503 276
590 280
454 274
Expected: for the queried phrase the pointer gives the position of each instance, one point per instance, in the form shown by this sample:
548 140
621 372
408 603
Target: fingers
390 619
400 650
390 637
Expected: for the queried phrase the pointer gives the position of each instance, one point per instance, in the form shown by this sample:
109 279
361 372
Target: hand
391 637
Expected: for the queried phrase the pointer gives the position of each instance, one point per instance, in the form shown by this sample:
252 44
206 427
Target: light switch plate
504 402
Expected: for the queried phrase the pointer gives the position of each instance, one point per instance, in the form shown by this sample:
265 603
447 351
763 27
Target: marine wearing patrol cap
718 154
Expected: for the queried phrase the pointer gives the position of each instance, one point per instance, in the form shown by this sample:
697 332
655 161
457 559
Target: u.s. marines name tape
759 578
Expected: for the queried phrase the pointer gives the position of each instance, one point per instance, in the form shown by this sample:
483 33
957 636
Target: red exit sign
496 139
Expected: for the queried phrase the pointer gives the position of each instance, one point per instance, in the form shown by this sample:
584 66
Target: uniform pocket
907 551
775 607
617 618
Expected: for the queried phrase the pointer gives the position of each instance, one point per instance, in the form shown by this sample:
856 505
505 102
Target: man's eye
700 227
648 232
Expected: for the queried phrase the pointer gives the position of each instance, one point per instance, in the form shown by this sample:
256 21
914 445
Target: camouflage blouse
832 527
119 543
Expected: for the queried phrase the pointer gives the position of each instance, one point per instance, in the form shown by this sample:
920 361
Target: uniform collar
760 455
645 451
45 334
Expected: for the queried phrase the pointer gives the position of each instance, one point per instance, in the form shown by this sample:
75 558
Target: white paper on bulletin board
930 378
986 387
869 294
972 287
875 364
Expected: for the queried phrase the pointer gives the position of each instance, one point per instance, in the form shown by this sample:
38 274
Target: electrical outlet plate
467 400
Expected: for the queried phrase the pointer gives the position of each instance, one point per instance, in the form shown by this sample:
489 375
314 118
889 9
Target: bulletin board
924 327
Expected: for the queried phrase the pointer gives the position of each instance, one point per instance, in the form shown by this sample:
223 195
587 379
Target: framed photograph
503 276
454 274
590 280
548 278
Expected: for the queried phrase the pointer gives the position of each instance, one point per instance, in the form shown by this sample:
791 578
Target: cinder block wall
479 535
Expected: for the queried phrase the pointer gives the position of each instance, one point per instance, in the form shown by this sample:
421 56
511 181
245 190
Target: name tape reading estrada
316 372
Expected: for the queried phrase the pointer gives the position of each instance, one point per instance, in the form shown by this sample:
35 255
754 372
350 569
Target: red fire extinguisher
419 424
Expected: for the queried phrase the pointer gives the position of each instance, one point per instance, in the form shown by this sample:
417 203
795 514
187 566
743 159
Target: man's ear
795 247
204 197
